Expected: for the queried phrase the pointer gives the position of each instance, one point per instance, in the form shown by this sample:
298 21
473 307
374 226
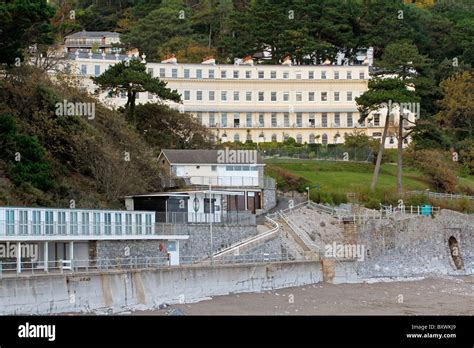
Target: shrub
24 155
322 197
339 198
467 158
467 190
437 165
372 203
332 198
286 181
389 156
463 205
416 200
373 199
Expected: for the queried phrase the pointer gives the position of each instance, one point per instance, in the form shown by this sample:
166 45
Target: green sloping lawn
349 176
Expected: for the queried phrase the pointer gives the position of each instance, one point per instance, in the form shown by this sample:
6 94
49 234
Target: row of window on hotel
198 74
249 96
274 120
54 222
284 96
299 138
274 138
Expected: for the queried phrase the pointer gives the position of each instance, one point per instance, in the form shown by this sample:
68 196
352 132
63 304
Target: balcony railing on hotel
88 42
296 125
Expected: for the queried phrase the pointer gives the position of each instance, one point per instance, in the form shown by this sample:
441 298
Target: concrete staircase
268 232
291 242
299 239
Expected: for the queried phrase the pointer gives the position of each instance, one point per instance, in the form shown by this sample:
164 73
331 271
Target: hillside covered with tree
55 158
311 31
49 159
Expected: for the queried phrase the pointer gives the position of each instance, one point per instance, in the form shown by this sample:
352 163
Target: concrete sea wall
147 289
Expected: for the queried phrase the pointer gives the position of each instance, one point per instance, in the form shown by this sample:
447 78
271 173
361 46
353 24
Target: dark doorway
455 252
235 203
258 200
251 202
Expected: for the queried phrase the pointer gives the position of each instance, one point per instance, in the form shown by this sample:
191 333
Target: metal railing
233 181
29 268
322 208
294 207
79 42
55 228
440 195
302 234
173 226
409 209
339 153
386 212
262 236
254 258
242 217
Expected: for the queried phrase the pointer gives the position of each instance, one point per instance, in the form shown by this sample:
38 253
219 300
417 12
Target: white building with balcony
238 172
261 103
50 236
85 41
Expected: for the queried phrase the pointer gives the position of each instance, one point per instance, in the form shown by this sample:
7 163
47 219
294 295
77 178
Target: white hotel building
262 103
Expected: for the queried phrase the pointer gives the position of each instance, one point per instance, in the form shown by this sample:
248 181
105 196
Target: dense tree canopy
23 23
303 28
457 106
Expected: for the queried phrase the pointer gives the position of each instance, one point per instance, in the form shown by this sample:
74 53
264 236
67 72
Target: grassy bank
336 179
343 177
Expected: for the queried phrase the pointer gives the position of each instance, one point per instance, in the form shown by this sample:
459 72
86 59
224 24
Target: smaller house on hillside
85 41
227 170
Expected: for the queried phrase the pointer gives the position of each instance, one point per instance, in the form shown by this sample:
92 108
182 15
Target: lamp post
210 221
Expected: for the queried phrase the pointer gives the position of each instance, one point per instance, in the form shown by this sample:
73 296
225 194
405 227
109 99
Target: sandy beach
445 295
